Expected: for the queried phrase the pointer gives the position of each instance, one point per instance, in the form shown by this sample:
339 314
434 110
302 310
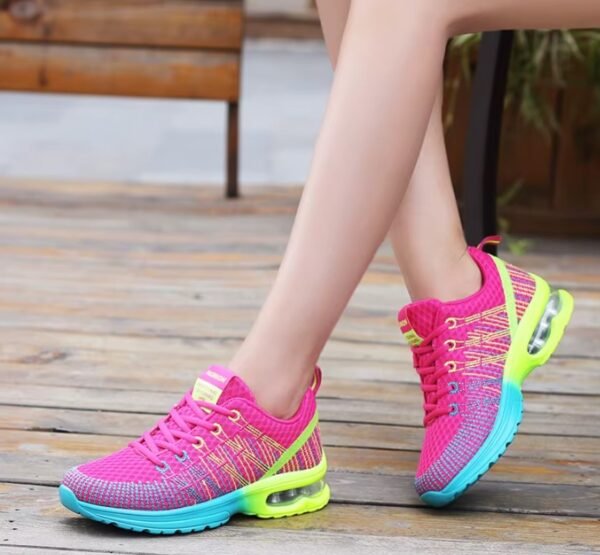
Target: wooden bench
143 48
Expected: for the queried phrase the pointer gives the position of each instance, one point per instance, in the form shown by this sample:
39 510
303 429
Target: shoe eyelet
183 457
454 410
235 415
162 468
217 429
200 443
453 387
451 344
452 323
451 364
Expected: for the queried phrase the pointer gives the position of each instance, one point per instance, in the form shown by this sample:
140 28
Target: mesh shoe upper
466 343
246 444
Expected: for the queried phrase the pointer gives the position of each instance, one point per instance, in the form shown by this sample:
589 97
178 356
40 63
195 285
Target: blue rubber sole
188 519
299 492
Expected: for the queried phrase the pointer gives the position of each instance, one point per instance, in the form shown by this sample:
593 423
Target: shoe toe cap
134 495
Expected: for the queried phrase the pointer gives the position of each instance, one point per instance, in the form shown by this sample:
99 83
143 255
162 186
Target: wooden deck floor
113 298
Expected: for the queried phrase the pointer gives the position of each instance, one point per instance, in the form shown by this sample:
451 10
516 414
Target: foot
472 356
217 453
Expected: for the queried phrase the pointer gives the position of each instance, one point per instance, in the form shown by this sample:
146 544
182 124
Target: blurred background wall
550 152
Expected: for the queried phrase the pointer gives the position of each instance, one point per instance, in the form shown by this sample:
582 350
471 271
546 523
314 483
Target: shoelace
149 446
425 358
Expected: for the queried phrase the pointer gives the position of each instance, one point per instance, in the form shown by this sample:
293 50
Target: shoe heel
296 501
540 331
289 494
545 330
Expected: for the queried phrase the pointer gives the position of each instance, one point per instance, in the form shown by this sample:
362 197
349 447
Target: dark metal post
483 137
233 125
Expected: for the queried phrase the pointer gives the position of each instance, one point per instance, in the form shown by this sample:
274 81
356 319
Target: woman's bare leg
333 16
352 194
433 259
381 101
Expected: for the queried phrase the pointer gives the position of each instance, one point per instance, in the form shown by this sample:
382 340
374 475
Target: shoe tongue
217 384
417 320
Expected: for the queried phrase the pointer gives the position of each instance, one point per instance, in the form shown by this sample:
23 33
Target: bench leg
483 138
233 124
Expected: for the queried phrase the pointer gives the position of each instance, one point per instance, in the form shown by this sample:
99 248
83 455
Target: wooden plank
170 273
39 521
547 413
579 271
544 256
24 550
62 451
148 23
224 329
355 487
63 195
57 365
577 223
119 71
193 320
552 459
576 455
61 358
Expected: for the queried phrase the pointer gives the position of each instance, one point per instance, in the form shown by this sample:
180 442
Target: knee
444 14
430 16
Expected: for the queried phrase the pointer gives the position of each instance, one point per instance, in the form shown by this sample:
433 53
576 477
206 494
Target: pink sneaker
472 356
217 453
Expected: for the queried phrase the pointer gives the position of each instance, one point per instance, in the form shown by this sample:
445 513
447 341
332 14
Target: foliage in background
515 245
540 60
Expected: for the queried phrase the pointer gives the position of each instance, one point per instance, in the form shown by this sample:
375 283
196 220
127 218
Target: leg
382 98
370 103
333 16
329 248
472 356
433 258
426 252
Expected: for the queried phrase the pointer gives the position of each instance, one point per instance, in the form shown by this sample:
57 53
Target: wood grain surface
156 72
175 23
113 297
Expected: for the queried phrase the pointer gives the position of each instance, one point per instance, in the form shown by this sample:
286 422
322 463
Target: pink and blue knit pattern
243 451
480 335
451 441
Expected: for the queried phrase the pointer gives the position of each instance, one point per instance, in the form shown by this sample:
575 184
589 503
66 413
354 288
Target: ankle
449 279
278 387
464 279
